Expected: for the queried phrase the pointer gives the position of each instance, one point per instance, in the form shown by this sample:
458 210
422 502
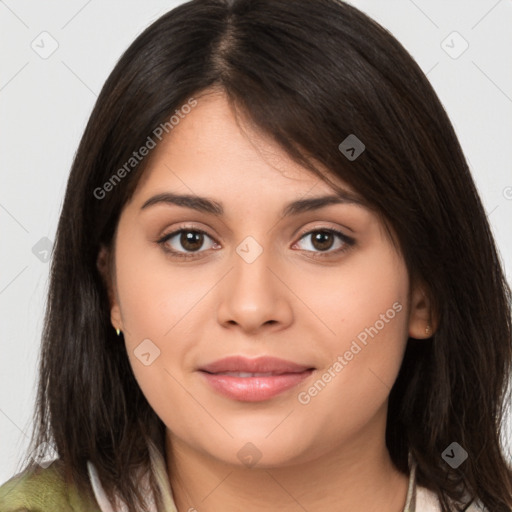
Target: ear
422 321
103 263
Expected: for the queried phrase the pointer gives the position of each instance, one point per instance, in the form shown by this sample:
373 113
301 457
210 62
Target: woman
274 285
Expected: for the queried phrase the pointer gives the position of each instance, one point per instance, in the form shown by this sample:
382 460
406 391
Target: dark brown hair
308 73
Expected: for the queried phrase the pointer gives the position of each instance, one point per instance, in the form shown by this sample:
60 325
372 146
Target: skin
323 455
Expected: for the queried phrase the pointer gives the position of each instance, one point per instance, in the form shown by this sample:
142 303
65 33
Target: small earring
428 330
118 332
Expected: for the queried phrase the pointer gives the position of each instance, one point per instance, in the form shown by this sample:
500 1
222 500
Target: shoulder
427 501
43 490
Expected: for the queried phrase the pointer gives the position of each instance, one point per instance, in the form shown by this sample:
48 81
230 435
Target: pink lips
279 376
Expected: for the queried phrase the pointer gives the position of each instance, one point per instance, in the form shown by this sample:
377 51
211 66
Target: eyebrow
207 205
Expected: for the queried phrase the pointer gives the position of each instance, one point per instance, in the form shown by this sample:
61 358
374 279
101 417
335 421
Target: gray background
45 101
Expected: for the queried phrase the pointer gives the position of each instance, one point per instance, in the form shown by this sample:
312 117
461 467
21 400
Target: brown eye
185 242
191 240
322 240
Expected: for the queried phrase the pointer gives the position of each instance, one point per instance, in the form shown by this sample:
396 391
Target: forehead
214 150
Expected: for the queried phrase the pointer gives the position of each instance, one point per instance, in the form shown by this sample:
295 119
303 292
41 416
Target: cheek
159 302
363 308
155 294
369 289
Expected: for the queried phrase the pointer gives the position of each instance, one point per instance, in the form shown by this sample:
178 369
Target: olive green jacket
43 490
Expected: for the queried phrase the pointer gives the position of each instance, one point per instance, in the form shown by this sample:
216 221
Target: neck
357 475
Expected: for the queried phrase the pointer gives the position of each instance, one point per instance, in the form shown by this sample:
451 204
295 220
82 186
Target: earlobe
422 323
115 317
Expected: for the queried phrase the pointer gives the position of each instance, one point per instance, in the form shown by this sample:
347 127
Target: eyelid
323 227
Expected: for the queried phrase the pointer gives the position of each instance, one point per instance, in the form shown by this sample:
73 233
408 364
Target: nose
254 295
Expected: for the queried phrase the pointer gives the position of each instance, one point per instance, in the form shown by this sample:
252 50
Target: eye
190 239
322 240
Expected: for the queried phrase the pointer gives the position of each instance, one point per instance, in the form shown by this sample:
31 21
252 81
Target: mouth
254 380
247 374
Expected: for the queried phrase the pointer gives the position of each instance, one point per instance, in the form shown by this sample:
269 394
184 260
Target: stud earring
428 330
118 332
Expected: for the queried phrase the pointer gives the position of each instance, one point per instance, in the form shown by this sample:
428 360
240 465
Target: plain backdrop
55 58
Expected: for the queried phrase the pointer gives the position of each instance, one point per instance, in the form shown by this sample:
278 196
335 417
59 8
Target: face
321 289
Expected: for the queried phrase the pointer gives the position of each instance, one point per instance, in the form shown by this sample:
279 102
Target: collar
159 470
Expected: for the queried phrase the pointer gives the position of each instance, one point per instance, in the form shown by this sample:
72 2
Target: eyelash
347 241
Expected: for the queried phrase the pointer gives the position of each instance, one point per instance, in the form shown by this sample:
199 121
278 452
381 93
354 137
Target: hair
307 73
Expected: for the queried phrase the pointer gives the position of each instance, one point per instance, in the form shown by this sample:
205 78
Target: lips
270 365
253 380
